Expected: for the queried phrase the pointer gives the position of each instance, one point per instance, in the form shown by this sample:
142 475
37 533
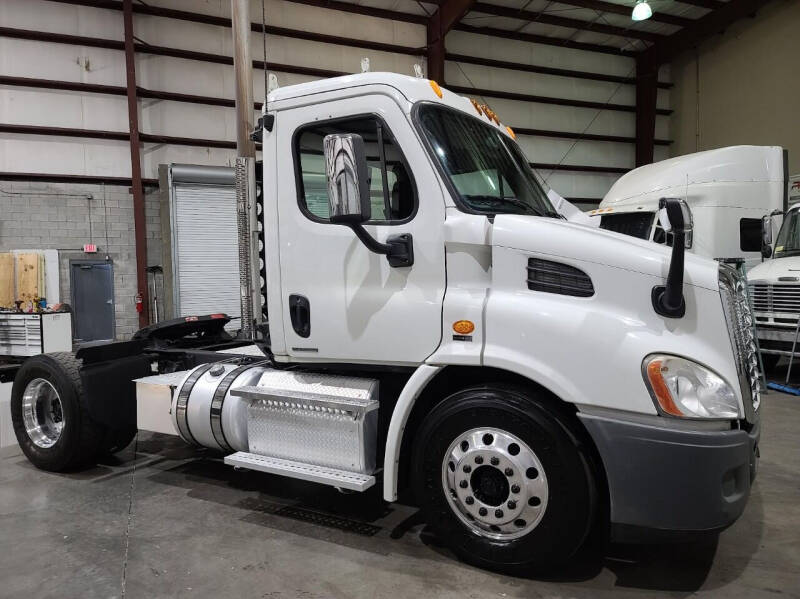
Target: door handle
300 314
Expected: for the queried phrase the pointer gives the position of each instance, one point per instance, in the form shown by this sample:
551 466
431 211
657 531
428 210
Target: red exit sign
90 248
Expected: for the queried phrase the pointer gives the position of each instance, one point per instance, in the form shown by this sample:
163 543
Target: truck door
341 302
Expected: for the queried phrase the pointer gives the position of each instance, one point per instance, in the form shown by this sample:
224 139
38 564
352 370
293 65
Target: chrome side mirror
348 182
349 201
674 220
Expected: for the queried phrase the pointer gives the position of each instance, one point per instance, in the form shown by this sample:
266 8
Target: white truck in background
432 326
729 191
775 289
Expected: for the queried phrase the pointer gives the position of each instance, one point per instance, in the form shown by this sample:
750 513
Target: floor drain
328 520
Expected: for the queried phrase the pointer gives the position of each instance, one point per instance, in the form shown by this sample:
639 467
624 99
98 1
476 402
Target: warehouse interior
121 142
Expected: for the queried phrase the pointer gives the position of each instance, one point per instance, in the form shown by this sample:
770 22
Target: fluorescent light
641 11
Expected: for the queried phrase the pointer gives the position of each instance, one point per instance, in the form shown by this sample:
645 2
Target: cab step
343 479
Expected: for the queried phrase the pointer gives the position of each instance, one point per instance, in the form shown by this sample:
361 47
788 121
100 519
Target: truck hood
549 236
772 270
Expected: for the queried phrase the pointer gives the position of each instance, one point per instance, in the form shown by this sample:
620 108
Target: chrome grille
780 299
739 319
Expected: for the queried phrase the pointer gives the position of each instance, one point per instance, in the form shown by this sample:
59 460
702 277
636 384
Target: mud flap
107 374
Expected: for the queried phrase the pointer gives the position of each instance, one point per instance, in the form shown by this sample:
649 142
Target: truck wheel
504 480
52 425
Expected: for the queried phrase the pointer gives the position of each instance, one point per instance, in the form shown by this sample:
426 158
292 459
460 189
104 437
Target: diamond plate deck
317 474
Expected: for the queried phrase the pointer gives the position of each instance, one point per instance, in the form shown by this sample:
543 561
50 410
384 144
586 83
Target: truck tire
50 419
504 480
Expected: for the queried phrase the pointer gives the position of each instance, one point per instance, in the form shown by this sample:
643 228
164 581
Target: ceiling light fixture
641 11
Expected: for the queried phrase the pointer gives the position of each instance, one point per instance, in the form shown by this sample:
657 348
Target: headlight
686 389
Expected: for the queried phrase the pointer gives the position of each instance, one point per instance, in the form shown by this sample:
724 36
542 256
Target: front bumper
666 482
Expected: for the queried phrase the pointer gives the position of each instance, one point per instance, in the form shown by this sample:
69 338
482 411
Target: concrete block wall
66 216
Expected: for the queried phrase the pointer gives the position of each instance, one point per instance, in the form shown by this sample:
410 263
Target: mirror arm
399 249
668 299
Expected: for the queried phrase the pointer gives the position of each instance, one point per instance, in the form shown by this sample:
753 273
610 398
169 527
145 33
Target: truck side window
391 203
750 234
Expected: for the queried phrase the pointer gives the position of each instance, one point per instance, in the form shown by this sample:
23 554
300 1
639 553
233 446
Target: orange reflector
435 87
476 106
660 388
463 327
511 133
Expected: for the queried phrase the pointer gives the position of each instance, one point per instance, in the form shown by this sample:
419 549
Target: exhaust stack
246 211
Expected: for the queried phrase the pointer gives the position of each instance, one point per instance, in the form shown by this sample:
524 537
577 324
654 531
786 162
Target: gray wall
66 216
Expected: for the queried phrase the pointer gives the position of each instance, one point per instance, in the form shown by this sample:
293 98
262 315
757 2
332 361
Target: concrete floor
166 521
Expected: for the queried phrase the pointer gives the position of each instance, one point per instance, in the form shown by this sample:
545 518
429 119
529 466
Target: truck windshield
488 171
788 241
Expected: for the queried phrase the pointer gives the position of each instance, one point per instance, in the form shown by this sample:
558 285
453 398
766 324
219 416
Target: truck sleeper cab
728 189
435 326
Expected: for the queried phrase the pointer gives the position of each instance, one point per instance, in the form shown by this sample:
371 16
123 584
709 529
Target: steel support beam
548 19
543 39
212 20
713 23
491 93
646 98
77 179
446 16
139 218
558 72
579 168
625 10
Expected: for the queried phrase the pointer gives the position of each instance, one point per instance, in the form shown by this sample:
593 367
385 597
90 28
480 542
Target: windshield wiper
512 201
786 253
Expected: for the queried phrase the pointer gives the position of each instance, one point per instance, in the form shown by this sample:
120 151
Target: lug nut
512 505
498 513
478 459
482 511
469 500
509 472
515 488
467 468
495 461
463 484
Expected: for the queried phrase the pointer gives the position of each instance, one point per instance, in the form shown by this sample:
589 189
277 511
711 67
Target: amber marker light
476 106
435 87
511 133
463 327
660 389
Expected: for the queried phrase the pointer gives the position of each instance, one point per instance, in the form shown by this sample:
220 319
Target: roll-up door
204 244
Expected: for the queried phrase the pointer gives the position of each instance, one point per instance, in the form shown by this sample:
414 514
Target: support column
646 97
446 16
139 218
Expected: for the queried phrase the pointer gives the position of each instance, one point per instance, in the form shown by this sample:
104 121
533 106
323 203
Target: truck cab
775 289
729 191
433 328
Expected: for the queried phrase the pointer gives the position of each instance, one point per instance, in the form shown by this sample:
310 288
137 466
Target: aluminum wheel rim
494 483
42 413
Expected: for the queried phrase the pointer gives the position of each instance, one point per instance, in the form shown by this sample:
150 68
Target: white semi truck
435 328
729 191
775 289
